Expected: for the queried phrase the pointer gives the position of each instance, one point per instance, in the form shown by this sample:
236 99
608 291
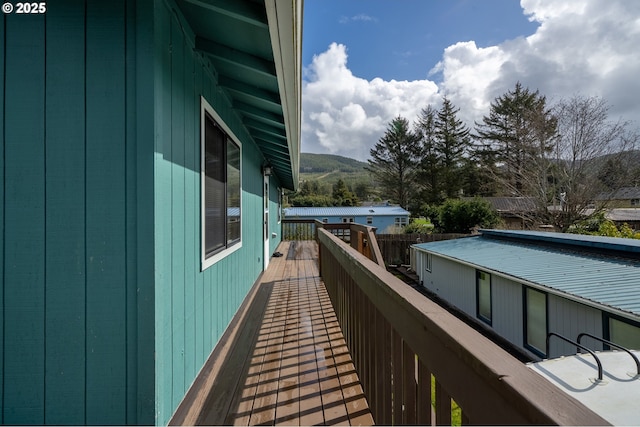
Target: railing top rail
298 221
527 396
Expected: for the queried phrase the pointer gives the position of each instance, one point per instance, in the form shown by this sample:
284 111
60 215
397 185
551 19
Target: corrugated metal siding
506 300
453 282
456 283
610 281
569 318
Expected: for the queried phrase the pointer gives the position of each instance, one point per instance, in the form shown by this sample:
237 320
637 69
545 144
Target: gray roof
346 211
589 269
510 204
623 214
625 193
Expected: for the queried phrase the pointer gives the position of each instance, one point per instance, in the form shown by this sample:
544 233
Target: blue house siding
382 217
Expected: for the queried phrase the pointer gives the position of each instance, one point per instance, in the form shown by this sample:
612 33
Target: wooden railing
395 247
361 237
416 361
299 229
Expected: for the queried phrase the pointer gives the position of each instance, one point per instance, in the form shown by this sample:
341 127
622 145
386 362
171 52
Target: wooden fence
395 247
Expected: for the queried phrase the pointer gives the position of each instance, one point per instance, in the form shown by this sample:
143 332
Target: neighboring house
516 213
384 218
524 285
626 197
145 146
620 216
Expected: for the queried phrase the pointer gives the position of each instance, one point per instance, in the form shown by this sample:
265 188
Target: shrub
419 225
458 216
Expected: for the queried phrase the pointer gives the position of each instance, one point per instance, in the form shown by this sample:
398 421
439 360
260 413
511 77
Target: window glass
400 221
484 295
536 320
624 334
233 192
214 187
221 189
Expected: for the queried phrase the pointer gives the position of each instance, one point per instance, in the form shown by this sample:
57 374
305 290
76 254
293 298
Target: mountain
313 163
327 169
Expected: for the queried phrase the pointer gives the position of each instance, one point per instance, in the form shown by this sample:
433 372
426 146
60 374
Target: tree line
562 156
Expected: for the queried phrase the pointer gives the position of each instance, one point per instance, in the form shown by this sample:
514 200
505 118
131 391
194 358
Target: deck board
297 370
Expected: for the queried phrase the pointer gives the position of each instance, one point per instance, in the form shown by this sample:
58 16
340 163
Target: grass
456 411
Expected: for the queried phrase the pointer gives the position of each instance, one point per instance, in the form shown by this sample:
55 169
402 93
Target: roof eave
285 29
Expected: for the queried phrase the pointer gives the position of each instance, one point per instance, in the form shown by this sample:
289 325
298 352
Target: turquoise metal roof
594 278
342 211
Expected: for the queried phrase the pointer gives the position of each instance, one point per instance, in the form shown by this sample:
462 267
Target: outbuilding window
483 292
623 332
220 173
535 321
369 220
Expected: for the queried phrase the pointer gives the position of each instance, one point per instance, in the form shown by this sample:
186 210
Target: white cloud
344 114
588 48
361 17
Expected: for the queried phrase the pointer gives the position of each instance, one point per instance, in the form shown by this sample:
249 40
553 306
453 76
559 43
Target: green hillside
327 169
321 171
311 163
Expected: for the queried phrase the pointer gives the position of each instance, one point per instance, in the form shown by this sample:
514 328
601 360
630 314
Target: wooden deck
295 369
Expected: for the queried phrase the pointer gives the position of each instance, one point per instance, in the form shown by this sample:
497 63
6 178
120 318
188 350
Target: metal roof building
381 217
317 212
585 281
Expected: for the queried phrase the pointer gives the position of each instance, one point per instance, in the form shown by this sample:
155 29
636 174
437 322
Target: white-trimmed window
348 220
221 187
428 262
369 220
400 221
535 321
483 291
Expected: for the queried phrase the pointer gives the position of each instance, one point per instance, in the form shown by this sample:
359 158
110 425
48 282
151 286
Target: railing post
317 226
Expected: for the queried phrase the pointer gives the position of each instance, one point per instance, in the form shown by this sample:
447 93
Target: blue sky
405 39
368 61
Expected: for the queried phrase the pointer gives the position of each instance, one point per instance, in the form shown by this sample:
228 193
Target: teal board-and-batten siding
194 307
75 300
106 315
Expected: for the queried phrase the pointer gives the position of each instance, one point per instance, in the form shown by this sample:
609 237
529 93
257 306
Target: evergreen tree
451 143
342 196
518 134
429 162
393 162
